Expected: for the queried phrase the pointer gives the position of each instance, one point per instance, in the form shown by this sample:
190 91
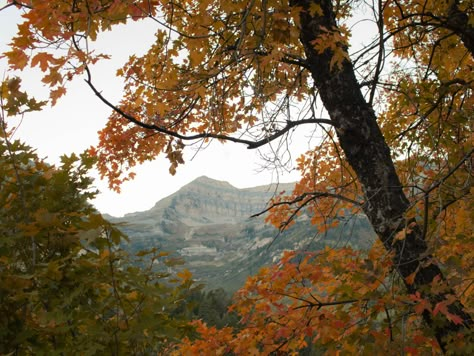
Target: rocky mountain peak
206 200
208 223
204 181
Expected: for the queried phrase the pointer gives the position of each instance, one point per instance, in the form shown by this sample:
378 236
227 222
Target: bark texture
367 152
458 22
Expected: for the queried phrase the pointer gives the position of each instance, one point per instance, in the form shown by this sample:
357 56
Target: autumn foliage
393 120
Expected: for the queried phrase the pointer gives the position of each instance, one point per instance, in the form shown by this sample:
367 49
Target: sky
72 125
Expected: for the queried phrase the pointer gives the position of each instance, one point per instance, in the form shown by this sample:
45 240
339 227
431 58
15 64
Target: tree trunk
369 155
458 22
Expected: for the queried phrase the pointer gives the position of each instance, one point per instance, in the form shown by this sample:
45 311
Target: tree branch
15 3
161 129
313 196
451 172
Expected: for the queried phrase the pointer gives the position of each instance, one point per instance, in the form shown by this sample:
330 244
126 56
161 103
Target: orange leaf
17 59
411 278
56 94
42 59
185 274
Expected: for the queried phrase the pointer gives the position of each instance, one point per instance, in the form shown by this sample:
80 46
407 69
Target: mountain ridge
204 181
208 223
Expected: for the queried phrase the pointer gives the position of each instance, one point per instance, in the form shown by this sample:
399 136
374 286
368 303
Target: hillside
208 223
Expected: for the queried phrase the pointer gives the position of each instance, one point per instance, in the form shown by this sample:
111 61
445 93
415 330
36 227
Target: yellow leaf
132 295
185 274
104 254
401 235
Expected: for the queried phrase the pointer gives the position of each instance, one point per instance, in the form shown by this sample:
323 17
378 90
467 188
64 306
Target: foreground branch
205 135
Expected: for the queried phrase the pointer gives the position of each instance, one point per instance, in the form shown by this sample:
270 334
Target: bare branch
313 196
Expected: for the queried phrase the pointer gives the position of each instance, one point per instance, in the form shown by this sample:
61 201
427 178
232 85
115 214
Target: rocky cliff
208 223
207 201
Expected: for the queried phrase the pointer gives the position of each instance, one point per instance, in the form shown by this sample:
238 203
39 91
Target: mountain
207 222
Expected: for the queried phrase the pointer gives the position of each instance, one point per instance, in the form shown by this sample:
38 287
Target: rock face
207 222
206 201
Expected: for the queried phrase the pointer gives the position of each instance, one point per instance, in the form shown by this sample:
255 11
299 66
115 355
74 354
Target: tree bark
458 22
369 155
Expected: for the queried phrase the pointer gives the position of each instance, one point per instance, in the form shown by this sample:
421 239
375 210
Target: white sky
72 125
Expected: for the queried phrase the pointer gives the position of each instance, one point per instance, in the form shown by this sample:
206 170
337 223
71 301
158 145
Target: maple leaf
56 94
43 60
17 59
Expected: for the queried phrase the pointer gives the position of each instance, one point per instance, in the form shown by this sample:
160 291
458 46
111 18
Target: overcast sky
72 125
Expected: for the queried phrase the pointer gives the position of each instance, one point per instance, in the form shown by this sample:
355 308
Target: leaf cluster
326 302
66 283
